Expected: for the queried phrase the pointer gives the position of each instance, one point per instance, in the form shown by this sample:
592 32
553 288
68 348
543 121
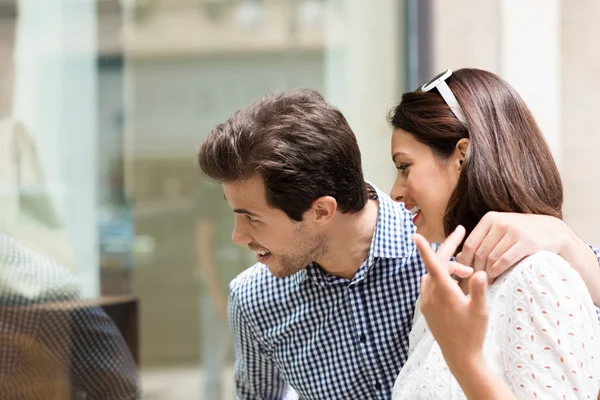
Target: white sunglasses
439 82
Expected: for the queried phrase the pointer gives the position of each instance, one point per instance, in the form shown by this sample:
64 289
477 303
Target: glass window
103 105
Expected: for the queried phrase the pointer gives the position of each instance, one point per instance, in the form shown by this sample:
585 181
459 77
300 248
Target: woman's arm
479 382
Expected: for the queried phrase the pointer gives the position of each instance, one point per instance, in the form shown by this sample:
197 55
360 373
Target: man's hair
300 146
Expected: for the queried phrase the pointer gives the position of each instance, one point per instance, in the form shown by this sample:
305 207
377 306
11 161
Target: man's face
285 246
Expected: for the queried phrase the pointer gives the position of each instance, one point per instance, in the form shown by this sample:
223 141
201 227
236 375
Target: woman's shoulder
542 317
543 282
541 269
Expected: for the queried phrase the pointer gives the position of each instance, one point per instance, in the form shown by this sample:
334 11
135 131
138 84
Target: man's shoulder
262 300
257 285
248 278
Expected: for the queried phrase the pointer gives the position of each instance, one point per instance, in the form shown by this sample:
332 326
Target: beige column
530 60
547 51
580 105
519 40
363 68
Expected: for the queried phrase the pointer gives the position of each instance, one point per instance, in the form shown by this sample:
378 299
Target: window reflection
102 106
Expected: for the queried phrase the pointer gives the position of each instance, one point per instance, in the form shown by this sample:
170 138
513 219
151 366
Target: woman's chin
432 237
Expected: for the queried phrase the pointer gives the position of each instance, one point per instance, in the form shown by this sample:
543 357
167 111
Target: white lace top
543 338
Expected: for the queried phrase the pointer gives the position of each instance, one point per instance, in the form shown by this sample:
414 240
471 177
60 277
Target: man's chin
278 272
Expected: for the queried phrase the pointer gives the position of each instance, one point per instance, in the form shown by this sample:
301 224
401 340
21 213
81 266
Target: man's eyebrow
244 211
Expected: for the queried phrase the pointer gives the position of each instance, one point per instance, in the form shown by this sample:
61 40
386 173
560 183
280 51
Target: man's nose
239 235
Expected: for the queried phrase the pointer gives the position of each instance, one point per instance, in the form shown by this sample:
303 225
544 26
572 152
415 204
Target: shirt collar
391 239
394 230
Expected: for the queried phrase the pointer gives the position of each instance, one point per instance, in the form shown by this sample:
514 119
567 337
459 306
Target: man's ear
323 209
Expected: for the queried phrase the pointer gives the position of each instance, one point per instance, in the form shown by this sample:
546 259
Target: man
327 309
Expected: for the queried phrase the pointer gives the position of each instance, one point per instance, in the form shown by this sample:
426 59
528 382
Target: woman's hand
458 323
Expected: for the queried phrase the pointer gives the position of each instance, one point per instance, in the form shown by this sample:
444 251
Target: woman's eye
403 167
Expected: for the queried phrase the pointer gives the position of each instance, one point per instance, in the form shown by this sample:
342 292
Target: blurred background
113 97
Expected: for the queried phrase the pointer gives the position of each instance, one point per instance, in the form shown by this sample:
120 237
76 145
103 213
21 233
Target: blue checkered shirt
328 337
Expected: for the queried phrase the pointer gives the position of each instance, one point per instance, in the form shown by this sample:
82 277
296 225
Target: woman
466 144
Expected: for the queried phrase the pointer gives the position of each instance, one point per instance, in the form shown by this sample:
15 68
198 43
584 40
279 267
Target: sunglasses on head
439 82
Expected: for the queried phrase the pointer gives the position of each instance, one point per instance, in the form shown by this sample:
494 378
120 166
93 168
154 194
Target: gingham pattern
329 338
47 334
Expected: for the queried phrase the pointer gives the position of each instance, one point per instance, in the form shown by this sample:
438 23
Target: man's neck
350 242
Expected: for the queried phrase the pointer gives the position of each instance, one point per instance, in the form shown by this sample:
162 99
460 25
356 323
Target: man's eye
251 219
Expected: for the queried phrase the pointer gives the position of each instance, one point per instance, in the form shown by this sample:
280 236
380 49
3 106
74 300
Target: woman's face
425 182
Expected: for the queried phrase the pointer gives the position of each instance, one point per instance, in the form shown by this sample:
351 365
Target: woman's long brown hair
508 166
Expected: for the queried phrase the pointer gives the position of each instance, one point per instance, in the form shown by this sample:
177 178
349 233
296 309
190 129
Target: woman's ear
461 151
